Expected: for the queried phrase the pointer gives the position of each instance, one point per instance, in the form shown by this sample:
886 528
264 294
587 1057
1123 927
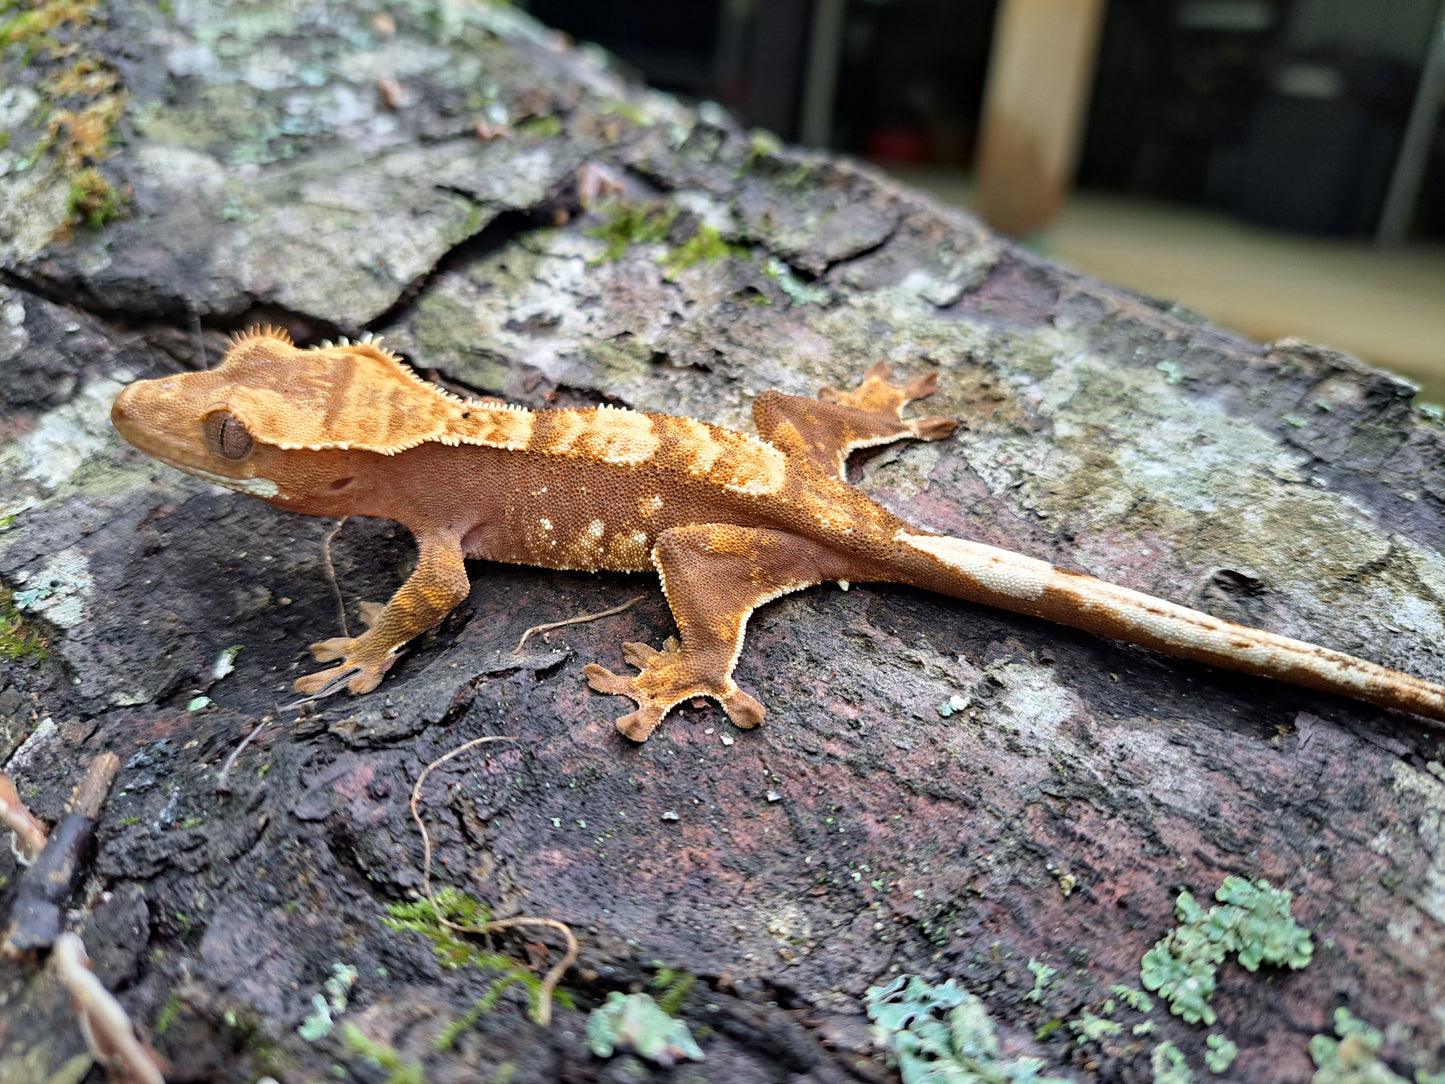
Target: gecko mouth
144 438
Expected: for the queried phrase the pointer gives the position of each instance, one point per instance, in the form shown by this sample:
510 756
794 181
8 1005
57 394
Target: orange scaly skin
729 521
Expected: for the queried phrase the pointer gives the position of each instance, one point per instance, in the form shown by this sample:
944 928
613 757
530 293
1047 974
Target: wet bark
939 790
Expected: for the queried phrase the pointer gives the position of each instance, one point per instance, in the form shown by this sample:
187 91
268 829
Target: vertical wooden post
1039 76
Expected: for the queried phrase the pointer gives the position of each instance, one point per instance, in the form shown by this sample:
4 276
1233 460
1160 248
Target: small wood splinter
29 833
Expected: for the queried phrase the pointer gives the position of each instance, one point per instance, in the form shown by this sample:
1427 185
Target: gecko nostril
341 483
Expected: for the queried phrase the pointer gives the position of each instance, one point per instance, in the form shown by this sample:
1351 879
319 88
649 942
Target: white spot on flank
546 524
1003 571
596 528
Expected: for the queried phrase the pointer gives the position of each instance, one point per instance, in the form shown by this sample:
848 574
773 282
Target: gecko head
249 423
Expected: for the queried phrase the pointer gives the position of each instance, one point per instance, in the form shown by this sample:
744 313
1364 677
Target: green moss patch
18 640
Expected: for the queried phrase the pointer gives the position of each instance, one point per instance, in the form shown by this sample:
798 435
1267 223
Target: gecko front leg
714 576
827 429
432 591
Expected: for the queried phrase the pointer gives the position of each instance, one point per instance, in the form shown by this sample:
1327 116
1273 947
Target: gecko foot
667 678
877 395
365 674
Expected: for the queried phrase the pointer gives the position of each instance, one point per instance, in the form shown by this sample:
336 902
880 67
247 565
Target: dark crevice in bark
491 238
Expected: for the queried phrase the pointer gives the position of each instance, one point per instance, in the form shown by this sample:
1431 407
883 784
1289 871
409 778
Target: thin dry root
578 620
29 832
106 1027
330 571
554 976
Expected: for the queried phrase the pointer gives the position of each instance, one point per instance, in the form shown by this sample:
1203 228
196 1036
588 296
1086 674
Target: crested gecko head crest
269 393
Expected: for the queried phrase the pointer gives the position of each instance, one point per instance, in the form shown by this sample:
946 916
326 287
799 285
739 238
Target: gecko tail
1012 581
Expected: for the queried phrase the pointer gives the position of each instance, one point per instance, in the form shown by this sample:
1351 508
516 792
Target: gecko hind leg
826 429
714 576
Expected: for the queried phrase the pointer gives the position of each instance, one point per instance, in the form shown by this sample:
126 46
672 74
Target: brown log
939 789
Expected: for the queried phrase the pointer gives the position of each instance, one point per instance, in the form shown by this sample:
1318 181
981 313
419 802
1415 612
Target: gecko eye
227 436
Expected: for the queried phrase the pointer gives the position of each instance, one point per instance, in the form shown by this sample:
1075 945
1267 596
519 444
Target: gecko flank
727 520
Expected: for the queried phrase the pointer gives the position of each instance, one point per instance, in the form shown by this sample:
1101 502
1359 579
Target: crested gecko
729 521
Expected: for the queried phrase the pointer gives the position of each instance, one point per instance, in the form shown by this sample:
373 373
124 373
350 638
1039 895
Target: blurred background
1275 165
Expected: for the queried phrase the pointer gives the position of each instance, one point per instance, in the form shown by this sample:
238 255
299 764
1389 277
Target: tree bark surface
939 790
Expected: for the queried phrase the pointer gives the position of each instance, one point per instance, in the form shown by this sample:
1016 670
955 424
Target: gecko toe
639 655
650 710
604 680
742 709
353 675
323 682
933 427
641 723
365 681
332 649
919 387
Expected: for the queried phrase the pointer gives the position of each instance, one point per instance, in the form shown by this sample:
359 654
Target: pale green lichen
1137 1000
1094 1029
798 291
943 1035
1043 975
1253 922
1222 1053
319 1023
1168 1065
1353 1057
337 988
635 1022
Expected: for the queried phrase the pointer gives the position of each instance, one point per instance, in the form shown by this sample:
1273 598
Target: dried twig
554 976
35 911
29 833
106 1027
581 619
